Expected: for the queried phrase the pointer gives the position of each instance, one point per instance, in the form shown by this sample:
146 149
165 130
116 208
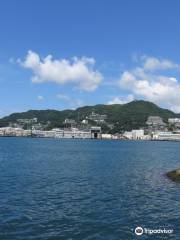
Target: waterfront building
58 132
107 136
135 134
93 132
96 132
43 134
127 135
168 136
18 132
75 133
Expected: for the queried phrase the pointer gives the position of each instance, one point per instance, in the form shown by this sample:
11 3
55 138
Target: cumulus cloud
121 100
175 109
78 71
40 98
153 64
146 82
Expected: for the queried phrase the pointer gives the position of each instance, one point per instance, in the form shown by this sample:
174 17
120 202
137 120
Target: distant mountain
128 116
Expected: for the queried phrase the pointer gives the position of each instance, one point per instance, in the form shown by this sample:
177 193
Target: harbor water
68 189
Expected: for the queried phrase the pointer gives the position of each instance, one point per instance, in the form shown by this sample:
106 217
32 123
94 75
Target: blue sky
103 51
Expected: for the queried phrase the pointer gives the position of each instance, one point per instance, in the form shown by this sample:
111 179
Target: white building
85 122
99 118
19 132
174 120
173 136
69 121
136 134
128 135
106 136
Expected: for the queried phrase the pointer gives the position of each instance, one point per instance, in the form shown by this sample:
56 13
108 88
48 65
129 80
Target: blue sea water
87 189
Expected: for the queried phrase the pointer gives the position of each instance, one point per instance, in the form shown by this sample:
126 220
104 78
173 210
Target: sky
66 54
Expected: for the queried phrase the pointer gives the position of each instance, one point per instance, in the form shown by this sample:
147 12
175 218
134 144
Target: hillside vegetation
129 116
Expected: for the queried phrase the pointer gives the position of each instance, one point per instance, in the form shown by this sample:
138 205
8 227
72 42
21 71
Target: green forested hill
124 117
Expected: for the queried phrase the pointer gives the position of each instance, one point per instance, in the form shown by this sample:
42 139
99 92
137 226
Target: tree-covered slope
124 117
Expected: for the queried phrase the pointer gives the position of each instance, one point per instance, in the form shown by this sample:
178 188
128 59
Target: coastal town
90 128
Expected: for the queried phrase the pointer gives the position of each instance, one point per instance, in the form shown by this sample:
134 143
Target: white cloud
79 71
175 109
161 89
40 98
121 100
153 64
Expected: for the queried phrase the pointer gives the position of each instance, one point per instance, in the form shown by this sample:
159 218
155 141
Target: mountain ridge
123 116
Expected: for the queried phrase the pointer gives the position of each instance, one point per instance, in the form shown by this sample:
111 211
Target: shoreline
100 139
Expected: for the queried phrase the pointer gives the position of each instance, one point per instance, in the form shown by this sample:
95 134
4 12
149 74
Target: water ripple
86 190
